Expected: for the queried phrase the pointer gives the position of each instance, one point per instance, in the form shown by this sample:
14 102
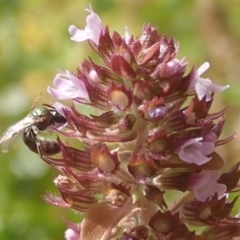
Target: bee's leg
29 138
39 147
35 130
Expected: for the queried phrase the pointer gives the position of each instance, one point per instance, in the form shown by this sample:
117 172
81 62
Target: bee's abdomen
48 147
39 145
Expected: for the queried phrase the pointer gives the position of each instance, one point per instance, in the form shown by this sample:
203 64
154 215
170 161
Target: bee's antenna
35 102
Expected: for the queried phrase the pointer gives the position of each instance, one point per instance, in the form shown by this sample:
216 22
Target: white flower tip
49 89
203 68
206 64
90 10
72 29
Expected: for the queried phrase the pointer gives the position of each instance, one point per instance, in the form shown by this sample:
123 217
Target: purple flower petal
92 30
205 185
194 151
204 86
68 86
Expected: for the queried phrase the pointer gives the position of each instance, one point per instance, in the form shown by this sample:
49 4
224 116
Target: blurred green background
34 43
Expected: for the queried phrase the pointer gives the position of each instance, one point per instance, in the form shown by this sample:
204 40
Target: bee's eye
59 118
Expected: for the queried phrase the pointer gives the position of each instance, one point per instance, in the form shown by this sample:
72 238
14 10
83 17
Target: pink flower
195 150
71 235
204 86
205 185
92 30
68 86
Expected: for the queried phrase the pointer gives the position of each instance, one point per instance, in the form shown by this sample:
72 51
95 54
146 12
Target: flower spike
148 131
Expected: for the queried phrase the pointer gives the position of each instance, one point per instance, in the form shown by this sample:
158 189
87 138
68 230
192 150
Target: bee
39 119
38 144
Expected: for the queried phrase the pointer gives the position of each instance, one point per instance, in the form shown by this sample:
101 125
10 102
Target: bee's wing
10 135
10 143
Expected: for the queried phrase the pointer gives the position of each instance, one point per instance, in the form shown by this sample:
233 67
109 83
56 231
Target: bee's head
41 112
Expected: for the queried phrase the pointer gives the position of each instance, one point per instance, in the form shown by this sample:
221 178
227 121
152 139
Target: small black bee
37 120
